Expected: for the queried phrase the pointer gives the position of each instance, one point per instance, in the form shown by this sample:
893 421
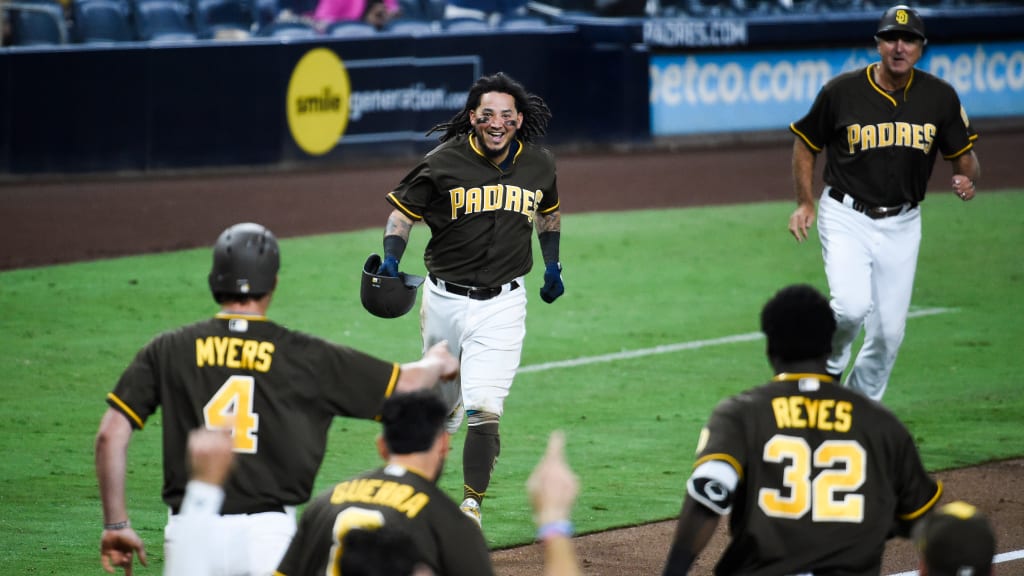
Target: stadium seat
522 22
214 17
295 29
36 22
432 10
465 25
264 12
163 21
350 29
102 21
409 27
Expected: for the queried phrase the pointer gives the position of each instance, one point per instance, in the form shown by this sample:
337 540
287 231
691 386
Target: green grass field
634 281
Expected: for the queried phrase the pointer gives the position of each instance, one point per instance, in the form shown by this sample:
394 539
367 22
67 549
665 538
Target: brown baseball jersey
278 391
825 476
446 539
480 216
881 146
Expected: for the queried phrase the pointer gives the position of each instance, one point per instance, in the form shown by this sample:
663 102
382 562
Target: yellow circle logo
317 104
901 17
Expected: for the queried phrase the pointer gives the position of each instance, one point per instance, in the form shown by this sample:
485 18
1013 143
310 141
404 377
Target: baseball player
815 476
955 540
277 391
403 494
882 127
481 191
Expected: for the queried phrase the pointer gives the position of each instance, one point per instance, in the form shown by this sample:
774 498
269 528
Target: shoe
471 508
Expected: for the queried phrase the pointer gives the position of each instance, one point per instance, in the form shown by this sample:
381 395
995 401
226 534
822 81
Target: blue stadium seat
163 21
36 22
102 21
294 29
410 27
350 29
465 25
522 22
214 16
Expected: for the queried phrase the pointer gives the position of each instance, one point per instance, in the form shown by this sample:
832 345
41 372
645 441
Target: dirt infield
49 221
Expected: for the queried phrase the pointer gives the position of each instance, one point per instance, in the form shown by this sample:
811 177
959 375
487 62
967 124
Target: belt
873 212
258 509
471 292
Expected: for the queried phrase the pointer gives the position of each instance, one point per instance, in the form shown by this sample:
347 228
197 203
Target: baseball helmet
245 261
387 296
901 18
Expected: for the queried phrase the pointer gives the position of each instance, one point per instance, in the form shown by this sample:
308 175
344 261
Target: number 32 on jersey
230 408
828 496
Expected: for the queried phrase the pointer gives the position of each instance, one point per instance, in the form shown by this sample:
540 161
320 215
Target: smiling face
900 51
495 122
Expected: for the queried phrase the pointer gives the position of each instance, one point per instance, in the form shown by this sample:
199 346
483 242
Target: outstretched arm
119 542
437 364
553 488
803 179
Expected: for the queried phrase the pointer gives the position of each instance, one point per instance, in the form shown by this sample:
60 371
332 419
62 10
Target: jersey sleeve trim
119 404
402 207
395 371
720 457
552 209
961 151
802 136
928 505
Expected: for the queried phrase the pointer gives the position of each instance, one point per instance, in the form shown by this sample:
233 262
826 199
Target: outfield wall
136 107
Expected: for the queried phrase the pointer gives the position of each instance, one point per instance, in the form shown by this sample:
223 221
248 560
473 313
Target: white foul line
680 346
997 559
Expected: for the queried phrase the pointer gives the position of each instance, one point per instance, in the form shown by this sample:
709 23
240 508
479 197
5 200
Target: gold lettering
234 346
825 408
781 408
264 356
339 494
869 137
812 412
929 137
400 494
458 198
204 352
795 403
414 505
492 197
249 348
384 492
844 416
853 136
221 344
367 488
473 200
529 203
513 198
903 136
885 134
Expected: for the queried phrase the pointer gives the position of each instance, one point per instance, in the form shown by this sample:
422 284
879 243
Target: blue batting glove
389 267
552 287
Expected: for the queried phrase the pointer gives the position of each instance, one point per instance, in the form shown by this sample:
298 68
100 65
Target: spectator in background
955 540
376 12
490 11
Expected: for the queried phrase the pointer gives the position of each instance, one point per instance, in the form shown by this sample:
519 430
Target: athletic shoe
471 508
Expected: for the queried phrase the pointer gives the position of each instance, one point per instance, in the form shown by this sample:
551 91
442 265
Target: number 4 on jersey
230 408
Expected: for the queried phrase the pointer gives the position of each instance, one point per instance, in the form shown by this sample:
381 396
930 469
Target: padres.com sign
318 101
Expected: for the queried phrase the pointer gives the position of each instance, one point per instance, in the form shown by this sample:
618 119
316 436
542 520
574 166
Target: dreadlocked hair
535 111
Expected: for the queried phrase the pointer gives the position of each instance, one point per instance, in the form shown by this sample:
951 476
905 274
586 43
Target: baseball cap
901 18
957 540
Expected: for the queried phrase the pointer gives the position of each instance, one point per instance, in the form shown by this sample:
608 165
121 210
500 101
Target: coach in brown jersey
481 192
402 494
815 476
881 127
275 389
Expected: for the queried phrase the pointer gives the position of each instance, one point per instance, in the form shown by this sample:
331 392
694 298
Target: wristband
549 242
556 528
117 525
394 245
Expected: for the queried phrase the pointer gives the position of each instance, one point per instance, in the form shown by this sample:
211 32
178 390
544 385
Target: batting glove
552 287
389 267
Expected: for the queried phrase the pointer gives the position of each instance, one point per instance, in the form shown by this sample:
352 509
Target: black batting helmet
901 18
245 261
387 296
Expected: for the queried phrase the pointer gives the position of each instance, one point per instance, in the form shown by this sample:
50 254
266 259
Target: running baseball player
881 127
481 191
815 477
403 494
277 391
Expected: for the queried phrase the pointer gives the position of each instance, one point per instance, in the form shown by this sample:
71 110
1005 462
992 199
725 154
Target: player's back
446 539
826 474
